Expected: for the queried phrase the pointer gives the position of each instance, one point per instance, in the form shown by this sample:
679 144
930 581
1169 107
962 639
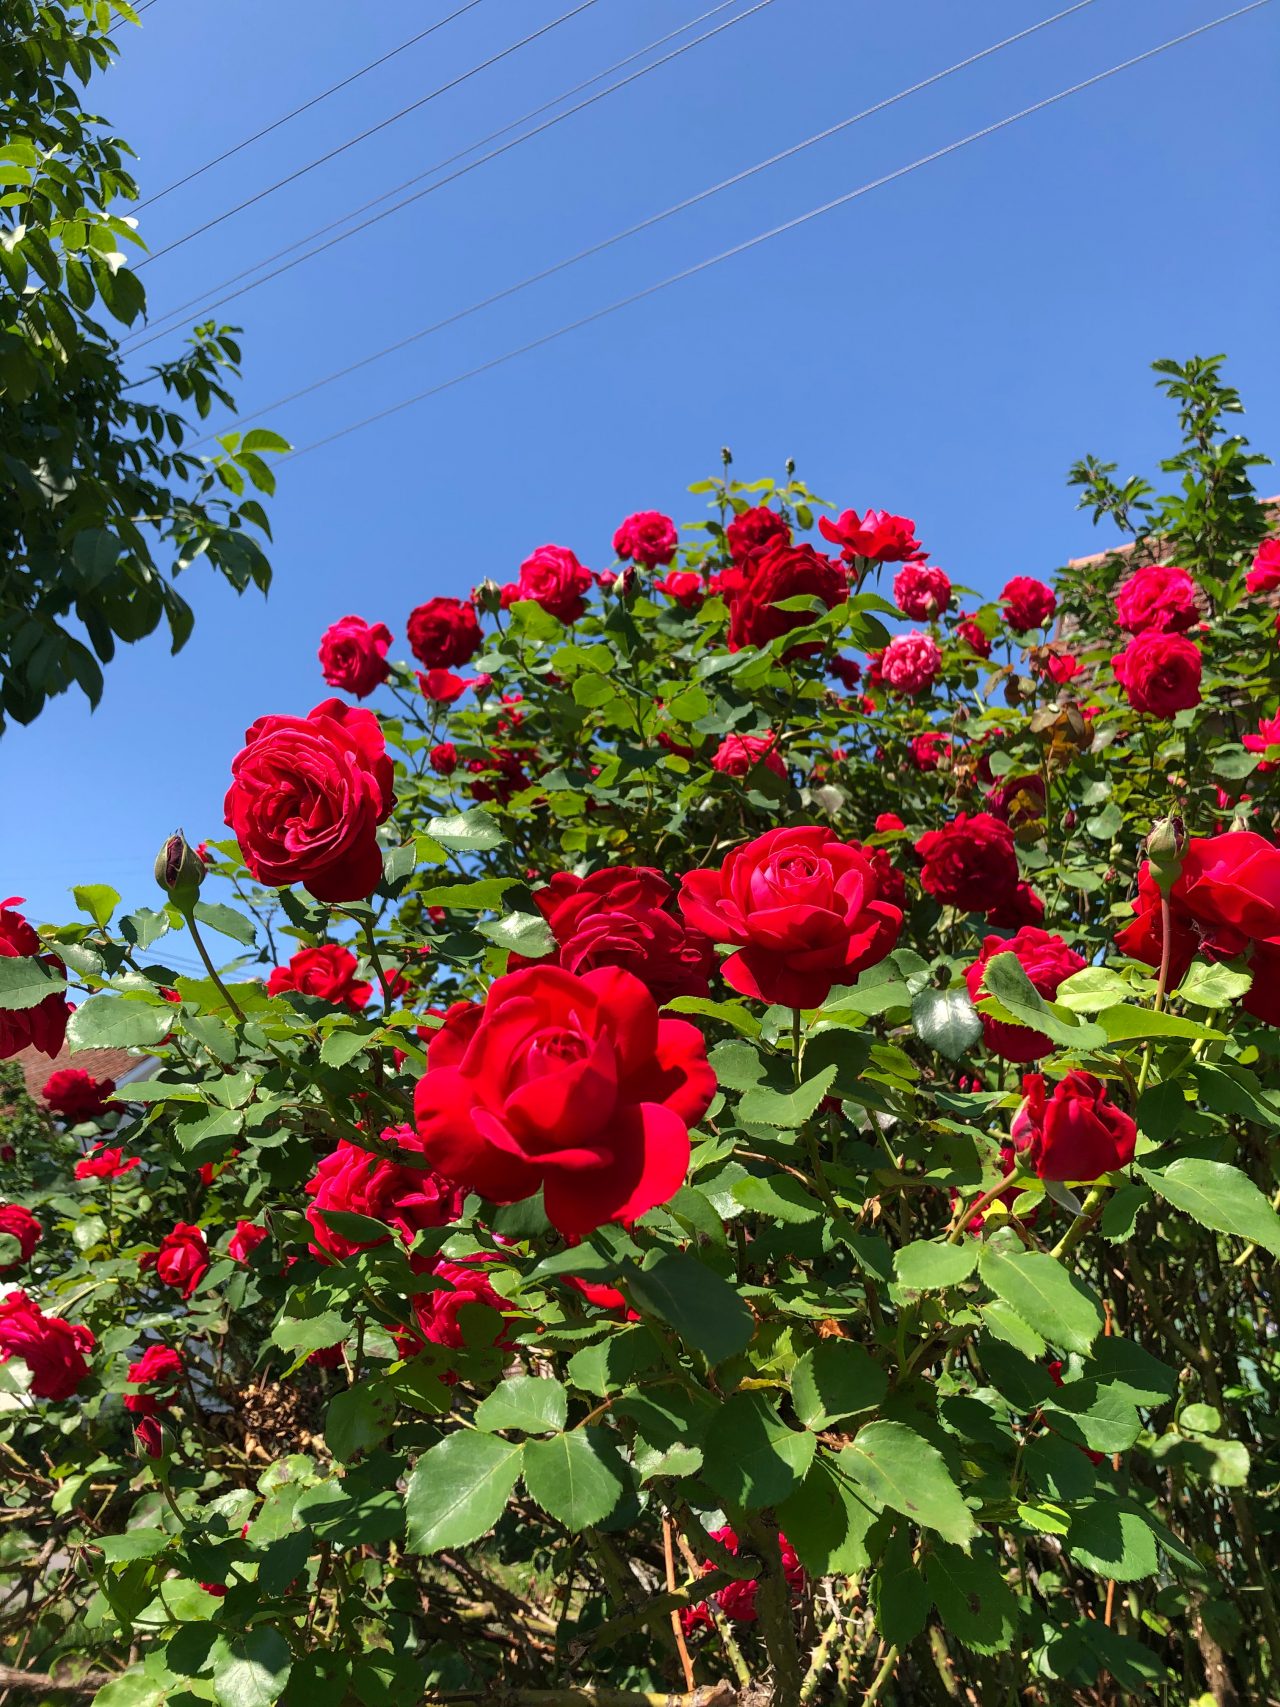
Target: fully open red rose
53 1349
750 534
353 655
921 591
1047 960
783 572
878 536
327 972
1077 1133
77 1095
444 633
44 1026
386 1187
969 863
738 755
910 663
570 1083
1159 596
803 910
552 577
1028 603
105 1162
1160 673
1264 576
20 1224
618 917
159 1368
451 1315
306 799
648 538
182 1260
1267 738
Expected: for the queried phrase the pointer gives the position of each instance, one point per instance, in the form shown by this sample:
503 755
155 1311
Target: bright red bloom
847 671
888 821
327 972
1047 961
969 863
245 1241
601 1296
1264 577
737 1600
443 758
307 796
552 577
1028 603
618 917
353 655
77 1095
20 1224
1268 736
182 1259
738 755
53 1349
1077 1133
43 1026
921 591
910 663
783 572
1062 667
449 1316
684 586
1158 596
974 637
159 1367
574 1084
443 687
930 750
1160 673
803 910
648 538
750 534
387 1187
444 633
105 1163
879 537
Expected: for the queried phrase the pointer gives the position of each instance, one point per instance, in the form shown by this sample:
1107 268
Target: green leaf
1218 1196
786 1110
1060 1308
131 1689
99 900
1006 981
898 1468
750 1456
976 1603
826 1522
24 982
1092 988
946 1020
1112 1540
704 1309
344 1045
481 896
1126 1368
899 1593
1122 1024
118 1022
782 1198
226 920
134 1544
527 1403
459 1489
470 832
1213 986
834 1379
358 1418
577 1477
528 934
931 1265
309 1333
251 1670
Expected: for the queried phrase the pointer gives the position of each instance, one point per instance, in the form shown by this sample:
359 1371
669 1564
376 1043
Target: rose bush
728 1155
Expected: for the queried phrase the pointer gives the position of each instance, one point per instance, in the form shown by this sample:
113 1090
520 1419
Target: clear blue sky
943 347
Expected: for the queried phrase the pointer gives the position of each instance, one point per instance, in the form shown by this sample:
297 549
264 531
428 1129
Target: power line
364 135
306 106
647 224
139 343
775 231
183 308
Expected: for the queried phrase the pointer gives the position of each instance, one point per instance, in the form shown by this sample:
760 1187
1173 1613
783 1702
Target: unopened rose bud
180 871
487 596
1165 846
1069 818
726 455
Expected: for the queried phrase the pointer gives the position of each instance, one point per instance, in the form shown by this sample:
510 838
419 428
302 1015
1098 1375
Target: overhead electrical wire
364 135
774 231
139 342
647 224
180 312
306 106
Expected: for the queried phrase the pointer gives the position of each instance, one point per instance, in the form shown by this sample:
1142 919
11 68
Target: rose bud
180 871
1165 847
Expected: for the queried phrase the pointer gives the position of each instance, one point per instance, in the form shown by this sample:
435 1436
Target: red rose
1077 1133
443 758
1046 960
20 1224
1062 667
973 636
53 1350
182 1259
1018 800
1226 896
574 1084
803 910
921 591
444 633
245 1241
684 586
879 537
738 755
327 972
888 821
648 538
386 1187
511 776
1023 907
737 1600
969 863
77 1095
847 671
601 1296
784 572
1158 596
1028 603
353 655
910 663
552 577
1264 577
449 1316
306 799
159 1366
1268 736
751 532
928 751
44 1026
105 1163
148 1435
618 917
1160 673
444 687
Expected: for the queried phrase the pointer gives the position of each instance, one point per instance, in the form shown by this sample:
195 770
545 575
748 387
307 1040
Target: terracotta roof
1271 504
117 1064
